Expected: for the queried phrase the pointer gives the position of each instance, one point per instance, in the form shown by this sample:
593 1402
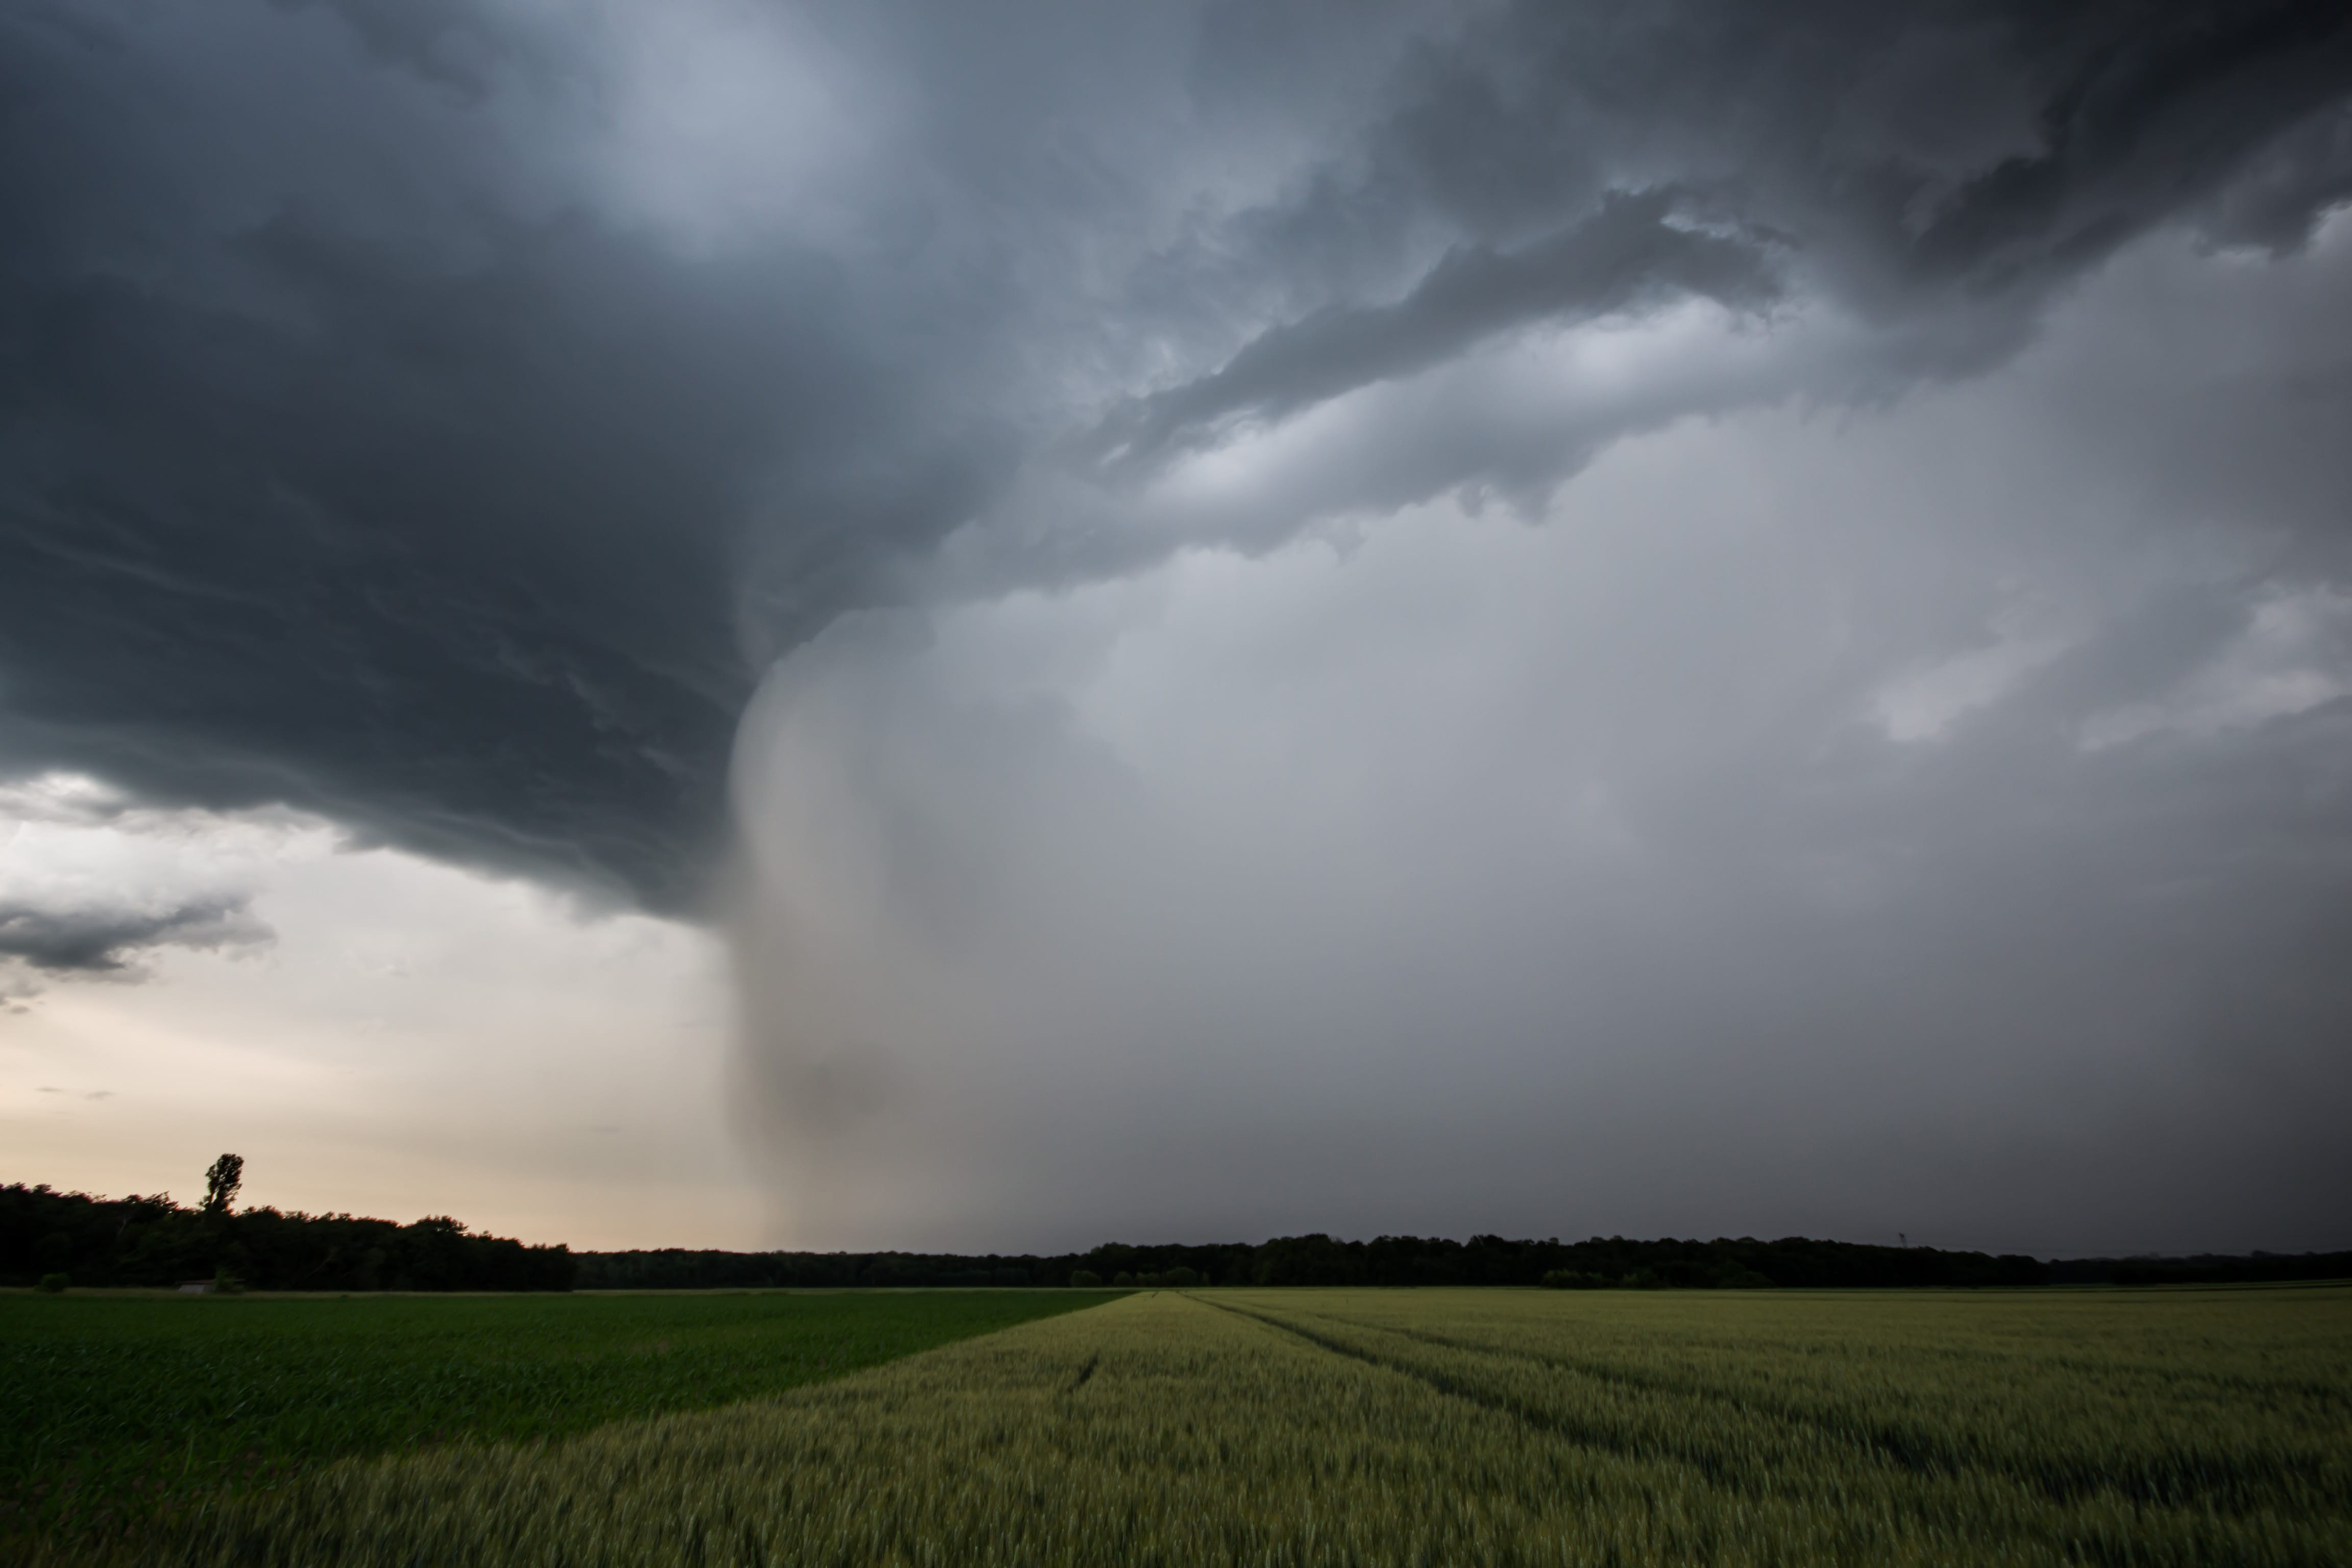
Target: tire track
1546 1422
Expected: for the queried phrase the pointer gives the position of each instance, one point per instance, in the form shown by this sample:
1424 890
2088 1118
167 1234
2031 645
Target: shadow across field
126 1409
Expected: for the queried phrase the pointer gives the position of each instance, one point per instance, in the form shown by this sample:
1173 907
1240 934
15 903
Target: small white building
195 1287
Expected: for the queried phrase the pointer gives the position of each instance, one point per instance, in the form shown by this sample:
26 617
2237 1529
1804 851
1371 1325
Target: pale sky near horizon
993 628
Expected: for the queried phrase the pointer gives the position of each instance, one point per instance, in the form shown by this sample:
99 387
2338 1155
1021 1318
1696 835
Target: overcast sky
999 626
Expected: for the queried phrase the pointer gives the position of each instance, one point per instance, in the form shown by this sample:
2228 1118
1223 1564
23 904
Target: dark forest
152 1240
155 1241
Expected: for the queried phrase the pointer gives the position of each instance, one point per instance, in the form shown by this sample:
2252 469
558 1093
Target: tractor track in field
2214 1483
1550 1424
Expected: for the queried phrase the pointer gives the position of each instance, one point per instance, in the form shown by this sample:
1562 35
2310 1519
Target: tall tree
223 1177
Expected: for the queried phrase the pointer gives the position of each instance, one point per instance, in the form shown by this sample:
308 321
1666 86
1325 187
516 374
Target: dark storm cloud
1931 820
1624 256
1911 161
2276 203
106 941
393 563
447 42
336 475
364 450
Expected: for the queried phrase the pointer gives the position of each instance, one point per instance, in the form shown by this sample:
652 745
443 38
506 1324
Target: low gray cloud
108 940
1627 255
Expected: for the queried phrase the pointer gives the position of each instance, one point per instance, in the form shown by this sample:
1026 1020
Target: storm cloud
1798 553
103 941
97 884
351 461
1939 793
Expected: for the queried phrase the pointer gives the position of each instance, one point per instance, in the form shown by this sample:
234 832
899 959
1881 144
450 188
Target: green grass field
115 1409
1434 1428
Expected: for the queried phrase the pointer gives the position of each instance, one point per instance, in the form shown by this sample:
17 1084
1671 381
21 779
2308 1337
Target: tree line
77 1239
1318 1259
1614 1262
2204 1268
66 1240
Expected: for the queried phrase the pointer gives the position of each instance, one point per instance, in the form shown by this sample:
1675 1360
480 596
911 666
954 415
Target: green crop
1308 1427
119 1409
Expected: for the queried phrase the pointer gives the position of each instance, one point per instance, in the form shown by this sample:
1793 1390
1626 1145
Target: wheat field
1436 1426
